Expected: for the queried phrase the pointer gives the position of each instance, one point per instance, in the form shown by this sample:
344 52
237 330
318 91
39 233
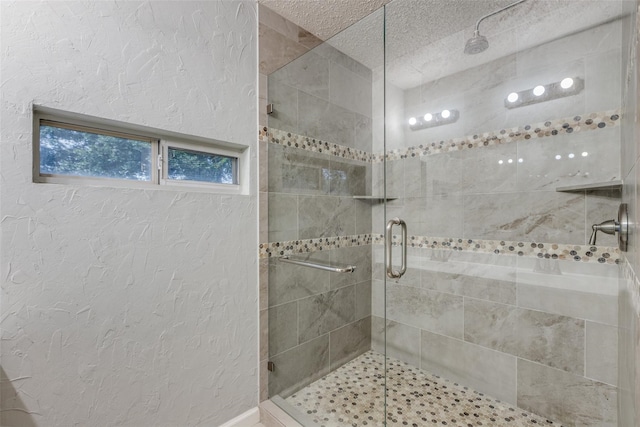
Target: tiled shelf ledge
564 252
610 185
378 199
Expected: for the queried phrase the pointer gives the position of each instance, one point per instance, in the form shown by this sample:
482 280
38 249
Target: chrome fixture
621 226
393 274
476 44
345 269
608 227
479 43
566 87
430 120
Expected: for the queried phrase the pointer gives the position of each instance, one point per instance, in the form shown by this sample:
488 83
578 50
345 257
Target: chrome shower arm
496 12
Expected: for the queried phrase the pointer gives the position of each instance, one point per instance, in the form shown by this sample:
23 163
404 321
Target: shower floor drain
353 395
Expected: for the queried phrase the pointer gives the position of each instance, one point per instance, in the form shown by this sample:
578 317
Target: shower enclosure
498 162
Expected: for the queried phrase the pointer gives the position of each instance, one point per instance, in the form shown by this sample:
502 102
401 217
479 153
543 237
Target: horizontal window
192 165
183 163
81 151
73 150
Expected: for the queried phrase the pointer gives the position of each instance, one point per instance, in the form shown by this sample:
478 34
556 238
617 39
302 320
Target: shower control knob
621 226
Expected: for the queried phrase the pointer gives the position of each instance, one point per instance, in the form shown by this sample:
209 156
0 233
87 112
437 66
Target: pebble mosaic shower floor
353 395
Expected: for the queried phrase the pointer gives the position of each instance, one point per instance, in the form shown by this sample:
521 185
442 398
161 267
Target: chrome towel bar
346 269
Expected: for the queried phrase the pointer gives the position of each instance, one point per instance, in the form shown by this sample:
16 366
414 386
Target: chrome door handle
388 237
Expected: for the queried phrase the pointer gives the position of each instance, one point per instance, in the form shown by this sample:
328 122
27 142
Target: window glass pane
198 166
79 153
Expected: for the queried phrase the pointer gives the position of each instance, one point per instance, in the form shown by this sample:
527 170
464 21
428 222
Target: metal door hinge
271 366
269 108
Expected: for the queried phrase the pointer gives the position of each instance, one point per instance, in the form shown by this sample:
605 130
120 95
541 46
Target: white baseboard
274 416
247 419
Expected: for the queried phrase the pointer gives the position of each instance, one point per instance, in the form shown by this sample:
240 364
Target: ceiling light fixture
566 87
429 120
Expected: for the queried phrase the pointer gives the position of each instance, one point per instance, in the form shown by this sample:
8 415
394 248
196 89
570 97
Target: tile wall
464 187
629 285
522 329
499 323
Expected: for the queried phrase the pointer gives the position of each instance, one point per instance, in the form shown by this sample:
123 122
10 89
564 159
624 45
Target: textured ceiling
324 18
425 38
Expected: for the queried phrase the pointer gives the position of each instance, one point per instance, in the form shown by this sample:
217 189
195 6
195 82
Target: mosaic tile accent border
288 139
588 122
354 395
292 247
581 253
584 253
575 124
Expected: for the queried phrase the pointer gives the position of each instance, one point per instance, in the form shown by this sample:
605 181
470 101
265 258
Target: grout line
584 369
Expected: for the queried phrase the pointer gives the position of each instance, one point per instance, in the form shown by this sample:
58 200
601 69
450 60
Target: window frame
160 142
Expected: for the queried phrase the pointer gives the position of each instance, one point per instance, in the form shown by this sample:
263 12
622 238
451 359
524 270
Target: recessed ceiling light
538 90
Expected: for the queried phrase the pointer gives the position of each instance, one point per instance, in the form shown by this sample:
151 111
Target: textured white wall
120 306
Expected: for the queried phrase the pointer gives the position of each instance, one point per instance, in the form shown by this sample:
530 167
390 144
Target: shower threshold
353 395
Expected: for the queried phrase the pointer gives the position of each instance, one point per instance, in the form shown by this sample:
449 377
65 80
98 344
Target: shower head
476 44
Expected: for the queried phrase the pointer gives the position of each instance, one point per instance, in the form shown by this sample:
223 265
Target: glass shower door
324 180
499 162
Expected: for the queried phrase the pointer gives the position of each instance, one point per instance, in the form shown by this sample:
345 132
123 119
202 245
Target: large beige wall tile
571 399
483 369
